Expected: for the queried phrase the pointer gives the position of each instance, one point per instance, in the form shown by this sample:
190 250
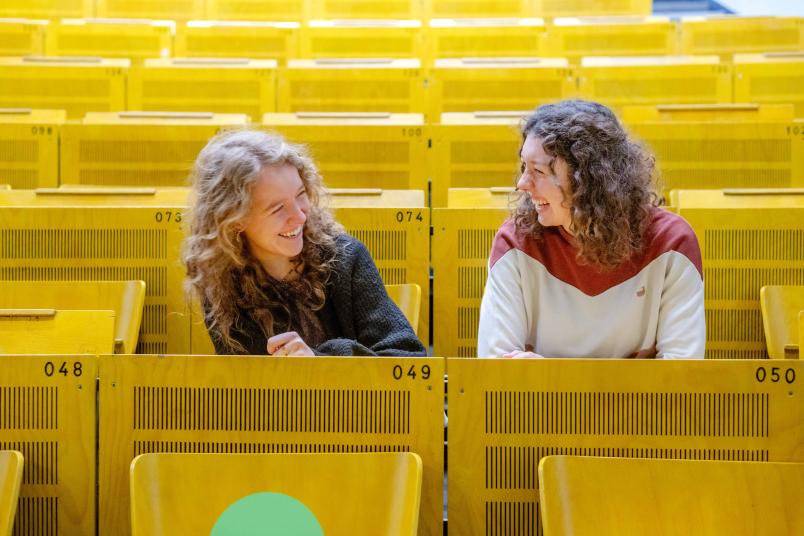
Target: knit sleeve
379 327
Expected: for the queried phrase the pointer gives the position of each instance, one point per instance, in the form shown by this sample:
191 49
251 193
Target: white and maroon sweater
539 298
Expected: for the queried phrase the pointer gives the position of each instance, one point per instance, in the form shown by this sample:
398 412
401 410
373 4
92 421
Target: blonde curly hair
221 271
611 178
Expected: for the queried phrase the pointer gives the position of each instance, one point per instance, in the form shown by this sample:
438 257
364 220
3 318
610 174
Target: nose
524 183
298 213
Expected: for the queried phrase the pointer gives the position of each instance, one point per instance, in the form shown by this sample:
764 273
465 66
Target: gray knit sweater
358 317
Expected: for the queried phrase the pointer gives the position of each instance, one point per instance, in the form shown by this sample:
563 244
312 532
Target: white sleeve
503 321
681 332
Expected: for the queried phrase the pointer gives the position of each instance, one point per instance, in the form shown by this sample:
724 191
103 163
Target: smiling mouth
292 234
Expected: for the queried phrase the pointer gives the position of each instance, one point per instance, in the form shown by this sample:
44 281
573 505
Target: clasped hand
288 344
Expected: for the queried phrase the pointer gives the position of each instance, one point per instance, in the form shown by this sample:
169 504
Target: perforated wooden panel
235 86
747 241
724 154
465 9
29 147
590 8
256 40
770 78
472 38
105 243
259 10
361 150
505 415
369 85
624 81
92 37
47 9
366 9
47 412
75 85
462 240
472 150
728 35
574 38
19 37
138 149
150 9
243 404
362 39
496 84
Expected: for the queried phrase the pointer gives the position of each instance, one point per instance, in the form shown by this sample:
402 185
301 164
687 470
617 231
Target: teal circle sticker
267 514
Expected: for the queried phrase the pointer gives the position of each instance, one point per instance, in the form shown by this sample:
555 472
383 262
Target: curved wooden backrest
780 307
613 496
408 298
349 494
10 479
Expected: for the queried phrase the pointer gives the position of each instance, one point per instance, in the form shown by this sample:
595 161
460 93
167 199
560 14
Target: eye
303 193
276 210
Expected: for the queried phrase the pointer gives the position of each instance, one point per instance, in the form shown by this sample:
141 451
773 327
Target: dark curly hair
611 177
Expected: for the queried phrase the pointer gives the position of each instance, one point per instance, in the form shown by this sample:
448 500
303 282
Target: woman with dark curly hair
589 265
276 274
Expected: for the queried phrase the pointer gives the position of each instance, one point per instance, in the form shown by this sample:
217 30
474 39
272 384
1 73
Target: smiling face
273 227
545 187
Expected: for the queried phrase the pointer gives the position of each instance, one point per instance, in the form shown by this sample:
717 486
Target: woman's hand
519 354
289 343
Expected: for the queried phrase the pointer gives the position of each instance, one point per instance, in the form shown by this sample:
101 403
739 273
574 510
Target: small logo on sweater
641 292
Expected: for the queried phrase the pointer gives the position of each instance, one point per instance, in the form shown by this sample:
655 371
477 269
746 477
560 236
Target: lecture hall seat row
571 38
697 146
750 238
505 417
256 87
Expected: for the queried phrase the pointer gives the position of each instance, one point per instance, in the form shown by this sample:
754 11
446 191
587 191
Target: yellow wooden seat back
608 496
780 307
10 479
408 297
125 298
48 331
355 494
801 334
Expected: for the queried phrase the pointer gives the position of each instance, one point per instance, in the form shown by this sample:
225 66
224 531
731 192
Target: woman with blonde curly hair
275 273
589 265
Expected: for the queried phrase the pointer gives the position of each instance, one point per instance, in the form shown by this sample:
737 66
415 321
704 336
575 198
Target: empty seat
11 463
362 39
781 305
110 38
50 331
256 40
150 9
20 37
585 8
771 78
47 9
478 38
729 34
29 147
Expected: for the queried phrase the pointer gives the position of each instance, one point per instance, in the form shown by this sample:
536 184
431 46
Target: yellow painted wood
365 9
482 37
574 38
408 297
111 38
495 197
125 298
497 84
461 245
35 136
54 428
180 10
186 493
219 85
721 146
780 305
47 9
467 9
590 8
77 85
621 81
11 463
801 335
361 150
475 150
20 37
351 85
138 148
258 10
257 40
505 415
770 78
748 240
238 404
380 38
75 242
82 195
727 35
48 331
608 496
